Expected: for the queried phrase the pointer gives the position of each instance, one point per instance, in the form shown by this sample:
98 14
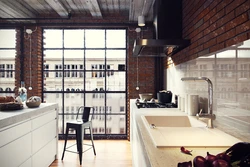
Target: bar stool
80 125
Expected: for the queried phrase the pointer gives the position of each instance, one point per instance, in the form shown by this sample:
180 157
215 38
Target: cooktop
155 105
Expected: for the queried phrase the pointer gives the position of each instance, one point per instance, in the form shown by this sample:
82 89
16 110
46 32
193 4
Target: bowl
33 102
146 96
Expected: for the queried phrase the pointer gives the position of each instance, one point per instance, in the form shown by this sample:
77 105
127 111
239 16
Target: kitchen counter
12 117
159 157
29 136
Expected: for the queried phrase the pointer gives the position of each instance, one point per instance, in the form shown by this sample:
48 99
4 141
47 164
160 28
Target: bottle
22 91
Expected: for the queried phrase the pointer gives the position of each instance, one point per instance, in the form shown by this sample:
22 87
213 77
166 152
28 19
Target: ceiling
96 9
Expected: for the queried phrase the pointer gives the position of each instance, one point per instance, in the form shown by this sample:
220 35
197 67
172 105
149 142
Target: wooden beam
18 7
37 5
141 7
94 8
58 7
3 14
147 6
11 10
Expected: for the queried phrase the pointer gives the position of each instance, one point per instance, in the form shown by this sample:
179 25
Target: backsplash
229 71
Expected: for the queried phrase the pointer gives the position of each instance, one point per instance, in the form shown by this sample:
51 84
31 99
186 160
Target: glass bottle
22 92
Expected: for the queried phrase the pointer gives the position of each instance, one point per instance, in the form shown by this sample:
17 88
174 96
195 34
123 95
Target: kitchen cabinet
28 138
138 152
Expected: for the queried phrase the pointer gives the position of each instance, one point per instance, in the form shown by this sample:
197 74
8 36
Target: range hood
167 31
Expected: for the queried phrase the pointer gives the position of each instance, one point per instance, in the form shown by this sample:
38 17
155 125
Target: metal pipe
210 115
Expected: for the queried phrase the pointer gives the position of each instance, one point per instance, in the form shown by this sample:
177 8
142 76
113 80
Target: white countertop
8 118
165 157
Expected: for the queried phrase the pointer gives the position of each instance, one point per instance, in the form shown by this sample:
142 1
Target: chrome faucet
210 116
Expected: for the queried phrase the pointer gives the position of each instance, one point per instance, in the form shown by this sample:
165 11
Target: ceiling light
141 21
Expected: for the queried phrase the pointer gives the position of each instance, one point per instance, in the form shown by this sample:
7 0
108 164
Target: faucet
210 116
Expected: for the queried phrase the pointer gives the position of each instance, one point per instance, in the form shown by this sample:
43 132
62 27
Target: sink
173 121
176 131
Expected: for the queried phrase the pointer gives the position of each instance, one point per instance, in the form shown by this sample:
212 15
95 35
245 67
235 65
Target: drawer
16 153
42 120
48 154
43 135
14 132
27 163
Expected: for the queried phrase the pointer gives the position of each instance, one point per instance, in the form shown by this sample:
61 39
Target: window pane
116 59
7 61
73 85
116 102
9 37
95 54
116 81
73 56
54 98
53 55
116 124
116 39
72 101
53 39
95 100
54 80
95 81
8 55
95 38
73 38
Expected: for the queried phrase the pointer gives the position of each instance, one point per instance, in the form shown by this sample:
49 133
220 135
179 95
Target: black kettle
164 97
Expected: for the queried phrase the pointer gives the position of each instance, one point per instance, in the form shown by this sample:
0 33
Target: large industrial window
7 61
82 67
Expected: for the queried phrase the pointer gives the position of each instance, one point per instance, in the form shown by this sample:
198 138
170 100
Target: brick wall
31 74
212 26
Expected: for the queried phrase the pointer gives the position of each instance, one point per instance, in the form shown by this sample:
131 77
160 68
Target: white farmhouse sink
173 121
177 131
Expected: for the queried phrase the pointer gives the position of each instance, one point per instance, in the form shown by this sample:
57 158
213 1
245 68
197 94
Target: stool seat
80 126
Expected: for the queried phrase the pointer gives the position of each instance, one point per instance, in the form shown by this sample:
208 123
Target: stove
155 105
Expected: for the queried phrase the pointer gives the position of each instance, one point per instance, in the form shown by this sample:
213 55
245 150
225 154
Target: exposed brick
198 24
232 5
225 23
243 27
242 8
236 21
217 47
235 40
210 43
210 29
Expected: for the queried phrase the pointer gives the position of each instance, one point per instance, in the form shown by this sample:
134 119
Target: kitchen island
28 137
145 153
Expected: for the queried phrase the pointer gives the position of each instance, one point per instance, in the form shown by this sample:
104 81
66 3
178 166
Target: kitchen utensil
164 97
146 96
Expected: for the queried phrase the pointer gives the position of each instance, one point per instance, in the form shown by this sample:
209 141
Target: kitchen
214 27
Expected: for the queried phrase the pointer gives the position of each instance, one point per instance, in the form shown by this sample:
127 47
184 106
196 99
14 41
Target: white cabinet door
11 133
43 135
16 152
46 155
43 119
27 163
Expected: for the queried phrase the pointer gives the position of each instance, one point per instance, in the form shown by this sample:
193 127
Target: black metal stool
80 126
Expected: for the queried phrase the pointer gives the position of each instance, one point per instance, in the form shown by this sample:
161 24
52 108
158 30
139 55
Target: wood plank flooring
110 153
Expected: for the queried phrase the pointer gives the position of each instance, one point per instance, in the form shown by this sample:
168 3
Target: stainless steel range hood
168 31
158 47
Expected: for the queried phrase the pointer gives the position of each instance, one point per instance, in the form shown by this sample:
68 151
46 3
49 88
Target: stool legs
65 142
79 142
92 140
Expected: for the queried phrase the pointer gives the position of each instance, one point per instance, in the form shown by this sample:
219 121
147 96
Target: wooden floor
110 153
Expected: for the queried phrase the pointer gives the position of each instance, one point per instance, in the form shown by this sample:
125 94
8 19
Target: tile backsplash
229 71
